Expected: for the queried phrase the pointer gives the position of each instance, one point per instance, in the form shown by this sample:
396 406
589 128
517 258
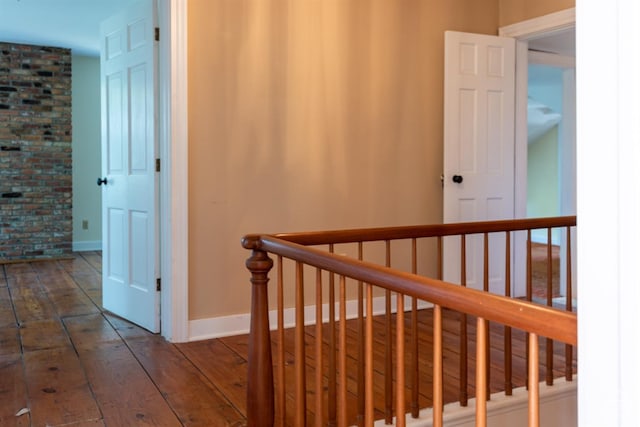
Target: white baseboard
95 245
558 408
217 327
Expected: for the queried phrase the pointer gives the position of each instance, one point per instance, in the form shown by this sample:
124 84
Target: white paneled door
479 144
129 181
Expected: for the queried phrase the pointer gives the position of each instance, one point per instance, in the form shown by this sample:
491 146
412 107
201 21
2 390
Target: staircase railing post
260 390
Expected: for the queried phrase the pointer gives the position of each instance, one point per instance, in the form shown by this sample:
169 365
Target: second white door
479 144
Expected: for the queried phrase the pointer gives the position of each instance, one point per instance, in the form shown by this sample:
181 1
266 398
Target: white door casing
479 144
523 32
128 67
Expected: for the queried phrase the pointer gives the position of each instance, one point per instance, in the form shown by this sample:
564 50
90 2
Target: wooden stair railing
537 320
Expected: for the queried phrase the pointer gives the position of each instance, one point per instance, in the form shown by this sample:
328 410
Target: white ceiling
72 24
562 43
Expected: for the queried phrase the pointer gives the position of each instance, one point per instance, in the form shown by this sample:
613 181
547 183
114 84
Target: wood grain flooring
66 362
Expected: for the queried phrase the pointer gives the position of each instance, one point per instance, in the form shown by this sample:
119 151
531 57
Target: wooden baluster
342 352
549 346
368 378
440 258
281 411
485 286
529 295
568 349
260 397
481 369
438 401
361 392
532 382
529 267
414 368
438 384
300 358
388 353
400 385
319 392
332 386
463 325
508 361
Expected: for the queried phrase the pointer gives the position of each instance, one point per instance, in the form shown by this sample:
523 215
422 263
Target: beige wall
311 115
315 115
512 11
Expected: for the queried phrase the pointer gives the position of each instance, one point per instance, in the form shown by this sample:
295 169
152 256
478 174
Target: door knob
457 179
102 181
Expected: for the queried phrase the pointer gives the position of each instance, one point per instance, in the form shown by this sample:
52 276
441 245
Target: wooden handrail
541 320
309 238
537 320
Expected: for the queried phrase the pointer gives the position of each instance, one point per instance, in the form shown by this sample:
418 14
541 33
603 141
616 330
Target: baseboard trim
558 408
85 246
224 326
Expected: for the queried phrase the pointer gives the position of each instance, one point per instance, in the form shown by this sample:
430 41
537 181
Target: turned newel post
260 395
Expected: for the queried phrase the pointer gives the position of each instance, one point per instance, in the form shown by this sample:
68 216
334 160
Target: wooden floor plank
197 401
76 265
10 341
123 391
228 373
43 334
94 259
58 390
56 280
31 303
71 302
18 268
90 330
13 392
3 278
91 285
7 315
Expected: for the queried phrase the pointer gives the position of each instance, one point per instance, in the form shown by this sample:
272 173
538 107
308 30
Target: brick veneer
35 151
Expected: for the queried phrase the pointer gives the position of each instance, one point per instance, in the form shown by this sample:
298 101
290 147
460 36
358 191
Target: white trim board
540 26
217 327
558 408
174 150
522 32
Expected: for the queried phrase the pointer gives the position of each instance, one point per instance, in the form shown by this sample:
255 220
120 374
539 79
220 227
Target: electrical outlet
85 224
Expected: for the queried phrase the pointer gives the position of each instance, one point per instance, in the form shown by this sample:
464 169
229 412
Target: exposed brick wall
35 151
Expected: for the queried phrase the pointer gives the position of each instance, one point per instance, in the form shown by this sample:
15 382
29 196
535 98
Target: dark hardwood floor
66 362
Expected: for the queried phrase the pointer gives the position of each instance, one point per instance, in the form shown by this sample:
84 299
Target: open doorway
41 23
551 145
551 127
548 40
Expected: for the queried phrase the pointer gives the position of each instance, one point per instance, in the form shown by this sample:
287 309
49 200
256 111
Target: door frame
174 150
523 32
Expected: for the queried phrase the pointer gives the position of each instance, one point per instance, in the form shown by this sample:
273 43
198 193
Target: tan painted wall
512 11
311 115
